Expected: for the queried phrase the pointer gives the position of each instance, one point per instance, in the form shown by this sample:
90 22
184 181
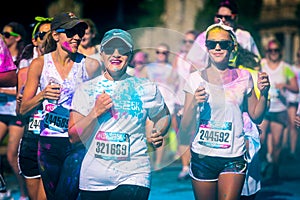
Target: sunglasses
162 52
273 50
8 34
224 44
40 35
226 17
188 41
123 50
71 32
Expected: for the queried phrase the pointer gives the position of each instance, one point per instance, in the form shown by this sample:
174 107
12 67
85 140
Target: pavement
166 186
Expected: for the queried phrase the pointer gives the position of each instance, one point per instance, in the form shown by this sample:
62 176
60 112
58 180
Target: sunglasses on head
40 35
224 44
188 41
8 34
71 32
123 50
273 50
226 17
162 52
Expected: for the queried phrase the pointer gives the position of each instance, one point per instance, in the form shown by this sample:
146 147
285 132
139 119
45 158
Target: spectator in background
181 70
228 13
7 79
8 75
159 72
15 36
137 66
293 101
28 148
89 44
282 78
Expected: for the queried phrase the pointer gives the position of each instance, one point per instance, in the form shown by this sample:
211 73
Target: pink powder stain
67 46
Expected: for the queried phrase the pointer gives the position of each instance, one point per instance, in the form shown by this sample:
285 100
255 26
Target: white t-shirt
220 129
282 74
117 150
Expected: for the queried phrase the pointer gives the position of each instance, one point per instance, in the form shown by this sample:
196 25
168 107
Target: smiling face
115 55
219 45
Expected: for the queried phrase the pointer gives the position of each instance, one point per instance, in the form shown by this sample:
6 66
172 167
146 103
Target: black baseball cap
67 20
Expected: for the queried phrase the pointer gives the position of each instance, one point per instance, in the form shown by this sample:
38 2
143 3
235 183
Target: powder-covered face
220 39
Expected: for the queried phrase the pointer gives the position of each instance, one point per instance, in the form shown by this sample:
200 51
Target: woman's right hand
103 103
52 91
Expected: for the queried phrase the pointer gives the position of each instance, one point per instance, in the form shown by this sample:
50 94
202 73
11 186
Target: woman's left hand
263 83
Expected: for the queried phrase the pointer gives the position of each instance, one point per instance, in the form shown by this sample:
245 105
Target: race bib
215 134
56 122
112 146
34 123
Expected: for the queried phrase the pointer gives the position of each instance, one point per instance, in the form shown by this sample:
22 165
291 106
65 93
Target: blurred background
263 18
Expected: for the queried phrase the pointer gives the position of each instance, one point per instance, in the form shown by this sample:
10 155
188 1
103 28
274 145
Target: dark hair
20 29
230 4
93 28
49 43
246 58
193 32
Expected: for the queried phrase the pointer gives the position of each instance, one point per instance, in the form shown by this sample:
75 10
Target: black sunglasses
71 32
123 50
162 52
226 17
188 41
41 35
273 50
8 34
224 44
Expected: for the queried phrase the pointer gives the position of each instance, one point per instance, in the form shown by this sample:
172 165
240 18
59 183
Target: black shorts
279 117
28 160
208 168
10 120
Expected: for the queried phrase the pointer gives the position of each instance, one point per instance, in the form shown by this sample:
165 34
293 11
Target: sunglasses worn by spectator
8 34
273 50
41 35
188 41
162 52
226 17
71 32
123 50
224 44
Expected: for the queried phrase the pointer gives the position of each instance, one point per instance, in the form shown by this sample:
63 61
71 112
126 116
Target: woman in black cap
57 74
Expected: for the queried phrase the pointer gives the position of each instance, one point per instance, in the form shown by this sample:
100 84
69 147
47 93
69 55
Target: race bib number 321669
112 146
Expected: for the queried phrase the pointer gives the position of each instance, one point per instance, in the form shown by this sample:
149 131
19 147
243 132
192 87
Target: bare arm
31 100
258 107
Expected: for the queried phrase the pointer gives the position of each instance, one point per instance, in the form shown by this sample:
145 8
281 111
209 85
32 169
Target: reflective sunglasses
224 44
162 52
8 34
188 41
123 50
40 35
71 32
226 17
273 50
